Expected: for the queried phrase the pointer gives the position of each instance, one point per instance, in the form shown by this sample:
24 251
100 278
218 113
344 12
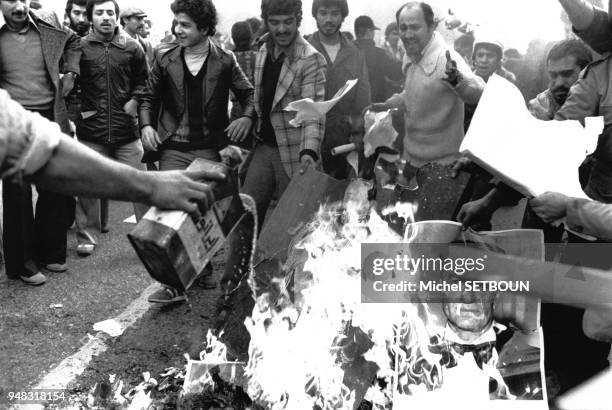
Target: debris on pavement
111 327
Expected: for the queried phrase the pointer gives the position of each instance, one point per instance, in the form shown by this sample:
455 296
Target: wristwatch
73 75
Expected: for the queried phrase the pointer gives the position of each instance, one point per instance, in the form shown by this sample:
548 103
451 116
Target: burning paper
308 110
528 154
334 352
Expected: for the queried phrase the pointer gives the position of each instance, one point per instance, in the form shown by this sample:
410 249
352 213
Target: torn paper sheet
130 220
308 110
111 327
530 155
379 131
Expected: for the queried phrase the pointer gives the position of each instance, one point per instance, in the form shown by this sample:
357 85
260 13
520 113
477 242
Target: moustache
561 90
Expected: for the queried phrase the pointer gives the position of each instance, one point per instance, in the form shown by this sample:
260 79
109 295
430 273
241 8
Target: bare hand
67 84
307 161
150 138
180 190
460 165
550 206
131 107
239 129
452 73
474 212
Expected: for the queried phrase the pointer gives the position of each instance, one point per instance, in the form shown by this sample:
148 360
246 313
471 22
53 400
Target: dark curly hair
203 12
70 3
281 7
341 4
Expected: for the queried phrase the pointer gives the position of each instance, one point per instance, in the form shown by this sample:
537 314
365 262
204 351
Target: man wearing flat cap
133 22
381 66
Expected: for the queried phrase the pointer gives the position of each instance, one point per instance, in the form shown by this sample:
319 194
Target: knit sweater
434 110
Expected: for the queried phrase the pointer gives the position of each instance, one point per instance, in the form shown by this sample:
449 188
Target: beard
329 29
80 28
560 95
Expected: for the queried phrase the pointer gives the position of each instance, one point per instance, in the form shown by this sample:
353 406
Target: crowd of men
147 106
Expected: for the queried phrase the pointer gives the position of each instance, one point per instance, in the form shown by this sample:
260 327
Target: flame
312 337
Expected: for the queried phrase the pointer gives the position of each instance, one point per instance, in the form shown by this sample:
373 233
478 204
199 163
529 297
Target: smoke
514 22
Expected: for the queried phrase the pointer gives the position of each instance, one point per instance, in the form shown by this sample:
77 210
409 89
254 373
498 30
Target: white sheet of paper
130 220
531 155
379 132
309 110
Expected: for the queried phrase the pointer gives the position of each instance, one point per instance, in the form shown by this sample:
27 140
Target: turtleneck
196 55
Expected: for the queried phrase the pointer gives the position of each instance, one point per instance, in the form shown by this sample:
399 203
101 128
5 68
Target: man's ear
204 31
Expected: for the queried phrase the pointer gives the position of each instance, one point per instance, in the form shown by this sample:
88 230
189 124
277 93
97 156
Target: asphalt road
40 326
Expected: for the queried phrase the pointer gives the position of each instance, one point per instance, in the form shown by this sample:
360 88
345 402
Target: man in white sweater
438 83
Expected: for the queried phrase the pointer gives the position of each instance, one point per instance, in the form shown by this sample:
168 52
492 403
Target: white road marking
73 366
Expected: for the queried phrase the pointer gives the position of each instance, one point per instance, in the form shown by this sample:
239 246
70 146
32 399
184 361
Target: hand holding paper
530 155
308 110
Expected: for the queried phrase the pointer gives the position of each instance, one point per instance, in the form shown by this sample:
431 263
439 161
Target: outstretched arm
34 149
580 13
590 23
74 169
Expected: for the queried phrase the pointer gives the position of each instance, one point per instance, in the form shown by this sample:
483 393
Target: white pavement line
60 377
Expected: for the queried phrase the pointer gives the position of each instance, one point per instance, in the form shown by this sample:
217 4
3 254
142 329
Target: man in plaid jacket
287 69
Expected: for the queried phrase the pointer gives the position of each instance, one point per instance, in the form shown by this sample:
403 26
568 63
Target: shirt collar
429 56
30 22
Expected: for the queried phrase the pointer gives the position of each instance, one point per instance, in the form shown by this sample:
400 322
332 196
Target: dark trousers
29 241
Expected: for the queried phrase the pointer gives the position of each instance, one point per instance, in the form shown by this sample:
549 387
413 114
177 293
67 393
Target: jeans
172 160
90 214
265 177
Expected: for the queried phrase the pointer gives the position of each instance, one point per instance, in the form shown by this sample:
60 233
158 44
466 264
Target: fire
314 344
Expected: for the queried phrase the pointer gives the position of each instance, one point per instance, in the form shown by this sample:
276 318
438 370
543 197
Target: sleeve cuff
35 139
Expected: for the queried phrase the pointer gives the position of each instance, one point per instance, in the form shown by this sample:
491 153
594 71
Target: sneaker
167 295
105 229
34 280
85 249
56 267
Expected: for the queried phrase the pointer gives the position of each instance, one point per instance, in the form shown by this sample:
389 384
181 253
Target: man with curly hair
190 82
287 69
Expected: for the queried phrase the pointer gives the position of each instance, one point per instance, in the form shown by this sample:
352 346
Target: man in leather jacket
113 75
190 83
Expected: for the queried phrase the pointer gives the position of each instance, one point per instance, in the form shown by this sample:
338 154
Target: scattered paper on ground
111 327
531 155
130 220
308 110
